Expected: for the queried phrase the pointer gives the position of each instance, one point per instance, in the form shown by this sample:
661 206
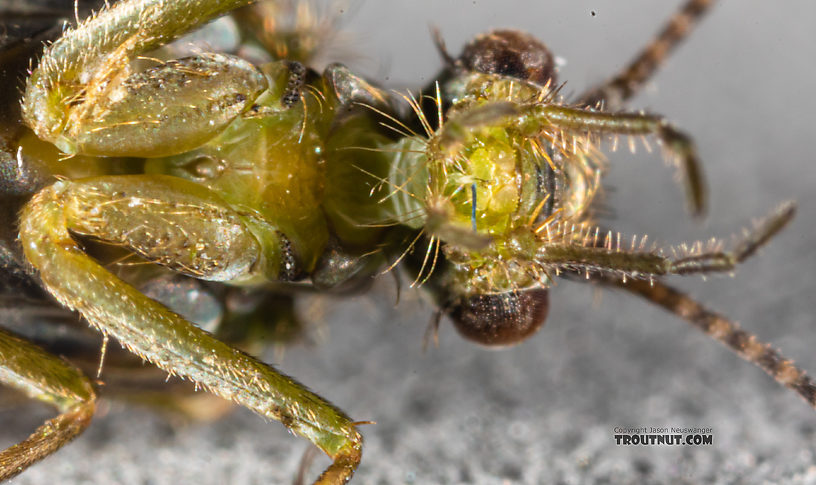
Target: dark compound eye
510 53
502 319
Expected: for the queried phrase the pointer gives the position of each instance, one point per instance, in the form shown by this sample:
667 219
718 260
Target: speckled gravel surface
545 412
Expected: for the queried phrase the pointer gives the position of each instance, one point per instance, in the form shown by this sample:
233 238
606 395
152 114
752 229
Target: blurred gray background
544 412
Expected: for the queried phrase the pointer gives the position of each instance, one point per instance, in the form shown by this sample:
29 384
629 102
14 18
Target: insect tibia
697 248
714 259
559 121
607 258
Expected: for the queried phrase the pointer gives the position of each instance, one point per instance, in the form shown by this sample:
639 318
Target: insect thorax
496 190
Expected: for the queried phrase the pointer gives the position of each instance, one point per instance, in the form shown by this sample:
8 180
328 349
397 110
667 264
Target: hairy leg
46 378
569 127
181 225
585 253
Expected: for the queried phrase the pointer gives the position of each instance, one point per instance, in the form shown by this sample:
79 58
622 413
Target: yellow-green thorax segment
269 165
499 177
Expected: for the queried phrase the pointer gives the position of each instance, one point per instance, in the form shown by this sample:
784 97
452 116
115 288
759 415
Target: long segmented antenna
744 343
615 91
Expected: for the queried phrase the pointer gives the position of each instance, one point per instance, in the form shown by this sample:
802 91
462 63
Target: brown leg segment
47 378
615 91
747 345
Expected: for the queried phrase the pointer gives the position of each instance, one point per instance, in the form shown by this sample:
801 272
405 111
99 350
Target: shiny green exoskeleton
225 171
